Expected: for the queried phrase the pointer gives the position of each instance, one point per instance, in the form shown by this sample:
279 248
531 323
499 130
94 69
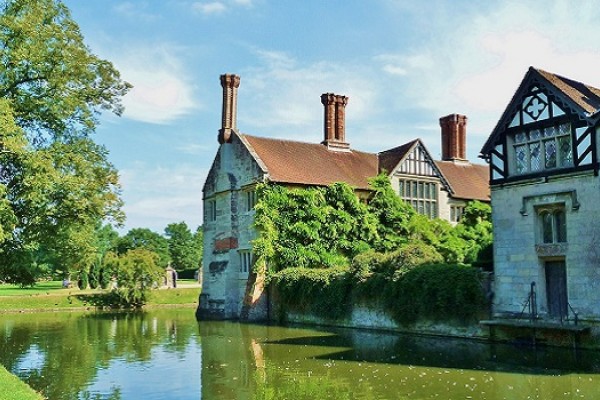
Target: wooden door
556 289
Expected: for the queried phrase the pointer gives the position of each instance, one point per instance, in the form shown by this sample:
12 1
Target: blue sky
403 65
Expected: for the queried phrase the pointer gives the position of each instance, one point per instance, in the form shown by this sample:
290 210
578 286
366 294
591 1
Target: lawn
12 388
50 296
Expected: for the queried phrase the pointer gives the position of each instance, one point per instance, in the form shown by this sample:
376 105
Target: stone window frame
211 209
552 224
456 212
246 261
249 199
421 194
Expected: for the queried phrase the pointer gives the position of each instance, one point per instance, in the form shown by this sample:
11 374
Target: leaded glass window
541 149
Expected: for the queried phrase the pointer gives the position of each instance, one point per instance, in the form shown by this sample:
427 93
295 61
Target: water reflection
166 354
269 362
68 355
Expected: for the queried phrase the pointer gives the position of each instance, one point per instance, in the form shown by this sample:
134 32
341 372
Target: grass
12 388
50 296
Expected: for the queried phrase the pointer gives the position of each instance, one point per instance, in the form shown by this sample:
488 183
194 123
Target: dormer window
541 149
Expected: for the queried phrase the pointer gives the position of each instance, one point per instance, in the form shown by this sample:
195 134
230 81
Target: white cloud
472 61
157 196
215 7
285 93
136 10
162 91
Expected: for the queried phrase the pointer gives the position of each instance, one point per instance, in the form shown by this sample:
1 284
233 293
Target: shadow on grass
108 300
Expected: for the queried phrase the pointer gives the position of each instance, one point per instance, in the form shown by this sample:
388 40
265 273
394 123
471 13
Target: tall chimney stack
454 137
335 121
230 84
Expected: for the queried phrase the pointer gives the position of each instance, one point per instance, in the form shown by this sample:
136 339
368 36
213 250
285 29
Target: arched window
553 224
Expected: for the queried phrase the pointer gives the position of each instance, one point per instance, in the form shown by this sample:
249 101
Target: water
166 354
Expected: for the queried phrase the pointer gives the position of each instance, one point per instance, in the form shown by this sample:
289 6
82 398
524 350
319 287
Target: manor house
438 189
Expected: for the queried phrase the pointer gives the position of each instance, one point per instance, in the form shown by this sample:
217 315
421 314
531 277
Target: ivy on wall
325 248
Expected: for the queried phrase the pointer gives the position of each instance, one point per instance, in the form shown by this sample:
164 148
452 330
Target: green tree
199 243
144 238
106 239
56 184
55 83
137 272
183 248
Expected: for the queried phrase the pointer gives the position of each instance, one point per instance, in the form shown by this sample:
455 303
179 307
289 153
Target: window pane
547 236
564 129
550 132
550 147
535 134
414 190
565 151
520 137
561 226
401 188
521 156
535 155
408 189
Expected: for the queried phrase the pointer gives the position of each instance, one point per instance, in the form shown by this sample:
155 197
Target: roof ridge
280 140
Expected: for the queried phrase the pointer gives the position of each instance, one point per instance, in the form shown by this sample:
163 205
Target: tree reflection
74 347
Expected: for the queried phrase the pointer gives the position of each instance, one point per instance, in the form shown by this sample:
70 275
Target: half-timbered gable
547 129
545 191
415 177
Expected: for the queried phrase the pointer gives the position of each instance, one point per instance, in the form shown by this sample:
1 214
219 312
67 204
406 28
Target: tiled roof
302 163
389 159
287 161
468 181
586 97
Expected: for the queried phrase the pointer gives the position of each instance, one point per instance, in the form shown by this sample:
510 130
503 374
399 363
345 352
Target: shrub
321 292
440 292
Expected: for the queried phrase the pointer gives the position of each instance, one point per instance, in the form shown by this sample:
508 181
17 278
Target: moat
167 354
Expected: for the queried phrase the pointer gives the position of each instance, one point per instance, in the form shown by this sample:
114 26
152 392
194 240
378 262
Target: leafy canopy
183 247
56 184
55 83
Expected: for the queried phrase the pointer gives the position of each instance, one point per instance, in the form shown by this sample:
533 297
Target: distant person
174 279
66 283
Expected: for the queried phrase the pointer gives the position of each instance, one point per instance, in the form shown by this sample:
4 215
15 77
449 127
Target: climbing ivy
325 248
319 227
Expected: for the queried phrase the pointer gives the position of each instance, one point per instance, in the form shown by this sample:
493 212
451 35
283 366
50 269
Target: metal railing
531 304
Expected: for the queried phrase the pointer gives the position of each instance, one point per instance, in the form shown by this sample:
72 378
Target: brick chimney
230 84
454 137
335 122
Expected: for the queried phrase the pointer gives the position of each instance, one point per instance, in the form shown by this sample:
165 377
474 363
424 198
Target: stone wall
519 259
365 316
225 290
